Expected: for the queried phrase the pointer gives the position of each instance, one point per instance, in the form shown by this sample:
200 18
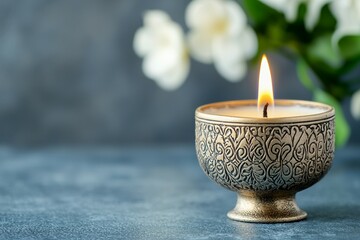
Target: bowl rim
201 114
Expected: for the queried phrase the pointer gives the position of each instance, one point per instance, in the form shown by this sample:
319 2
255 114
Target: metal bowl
266 161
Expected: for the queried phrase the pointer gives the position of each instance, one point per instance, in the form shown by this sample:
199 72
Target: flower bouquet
321 36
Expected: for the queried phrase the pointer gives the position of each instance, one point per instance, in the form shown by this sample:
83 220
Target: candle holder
265 160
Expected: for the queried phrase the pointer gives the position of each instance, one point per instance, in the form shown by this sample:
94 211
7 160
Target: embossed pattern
265 157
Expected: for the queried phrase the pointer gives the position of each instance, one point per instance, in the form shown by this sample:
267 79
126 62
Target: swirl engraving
265 157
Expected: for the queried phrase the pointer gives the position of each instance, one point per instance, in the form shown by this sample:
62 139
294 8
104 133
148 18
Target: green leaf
342 129
258 12
350 47
302 70
322 51
326 22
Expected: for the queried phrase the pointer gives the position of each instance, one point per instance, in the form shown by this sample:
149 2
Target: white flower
347 14
219 34
290 9
355 105
162 44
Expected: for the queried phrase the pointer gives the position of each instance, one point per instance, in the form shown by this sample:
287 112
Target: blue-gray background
68 75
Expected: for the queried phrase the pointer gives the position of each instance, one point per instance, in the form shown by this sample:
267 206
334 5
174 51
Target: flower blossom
290 9
355 105
161 43
219 34
346 12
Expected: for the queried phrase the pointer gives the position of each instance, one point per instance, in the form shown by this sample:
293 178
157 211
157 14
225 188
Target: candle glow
265 91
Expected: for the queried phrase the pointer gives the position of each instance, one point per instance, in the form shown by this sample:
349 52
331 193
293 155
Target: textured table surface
154 193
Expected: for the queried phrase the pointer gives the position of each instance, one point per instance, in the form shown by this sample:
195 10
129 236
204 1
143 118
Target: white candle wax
273 112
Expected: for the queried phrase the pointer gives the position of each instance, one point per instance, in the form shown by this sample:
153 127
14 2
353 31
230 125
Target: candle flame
265 91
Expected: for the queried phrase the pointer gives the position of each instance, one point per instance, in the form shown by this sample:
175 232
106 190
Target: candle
266 150
251 111
275 109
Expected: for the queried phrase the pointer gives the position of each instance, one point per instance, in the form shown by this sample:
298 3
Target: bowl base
266 208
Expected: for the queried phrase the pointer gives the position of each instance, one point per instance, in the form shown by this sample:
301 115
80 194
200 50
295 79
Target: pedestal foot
266 208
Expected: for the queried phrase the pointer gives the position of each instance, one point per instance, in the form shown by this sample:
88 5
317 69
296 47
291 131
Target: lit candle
265 150
275 109
265 92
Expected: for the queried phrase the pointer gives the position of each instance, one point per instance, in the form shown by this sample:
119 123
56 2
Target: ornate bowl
266 161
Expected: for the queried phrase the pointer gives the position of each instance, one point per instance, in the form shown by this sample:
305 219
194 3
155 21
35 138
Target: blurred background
69 75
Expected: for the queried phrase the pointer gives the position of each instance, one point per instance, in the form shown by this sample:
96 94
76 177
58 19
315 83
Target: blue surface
154 193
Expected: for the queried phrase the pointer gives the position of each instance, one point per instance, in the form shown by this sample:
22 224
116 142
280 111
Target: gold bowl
265 160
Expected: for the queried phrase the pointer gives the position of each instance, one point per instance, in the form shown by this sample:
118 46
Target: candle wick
265 114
